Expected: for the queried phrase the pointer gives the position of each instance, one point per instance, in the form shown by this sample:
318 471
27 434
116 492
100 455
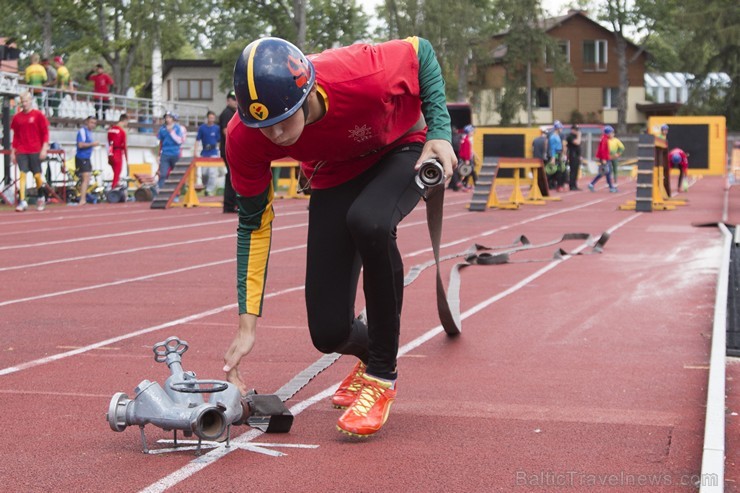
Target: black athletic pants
353 226
229 193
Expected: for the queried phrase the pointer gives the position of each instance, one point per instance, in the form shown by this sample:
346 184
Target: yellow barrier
293 179
519 166
191 196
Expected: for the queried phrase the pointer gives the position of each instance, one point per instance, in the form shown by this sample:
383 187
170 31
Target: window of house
594 55
563 49
541 98
195 89
610 97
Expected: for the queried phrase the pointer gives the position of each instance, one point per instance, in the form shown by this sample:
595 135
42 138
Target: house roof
551 23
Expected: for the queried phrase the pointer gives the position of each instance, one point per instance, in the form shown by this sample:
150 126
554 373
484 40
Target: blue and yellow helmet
272 79
676 158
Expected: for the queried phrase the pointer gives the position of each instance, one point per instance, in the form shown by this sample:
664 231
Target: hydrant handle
194 386
171 345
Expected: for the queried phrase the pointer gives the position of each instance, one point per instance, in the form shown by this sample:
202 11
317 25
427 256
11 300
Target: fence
66 108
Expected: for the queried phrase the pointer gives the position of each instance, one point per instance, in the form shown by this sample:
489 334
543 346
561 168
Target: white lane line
116 252
138 249
176 271
196 316
87 224
200 463
113 340
134 279
117 235
713 451
166 245
55 218
45 393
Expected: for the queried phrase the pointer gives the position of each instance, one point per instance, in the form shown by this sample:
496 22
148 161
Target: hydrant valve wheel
171 345
194 386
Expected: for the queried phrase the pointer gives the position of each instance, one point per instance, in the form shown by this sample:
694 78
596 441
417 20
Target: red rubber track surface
587 374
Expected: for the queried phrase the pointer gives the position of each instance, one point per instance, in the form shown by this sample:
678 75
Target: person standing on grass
361 120
28 149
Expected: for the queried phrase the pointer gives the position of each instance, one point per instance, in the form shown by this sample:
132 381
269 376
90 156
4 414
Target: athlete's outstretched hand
240 347
442 150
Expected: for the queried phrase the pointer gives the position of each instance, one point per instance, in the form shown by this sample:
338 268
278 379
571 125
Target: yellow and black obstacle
505 171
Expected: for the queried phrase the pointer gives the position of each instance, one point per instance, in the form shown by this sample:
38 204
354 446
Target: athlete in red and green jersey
360 119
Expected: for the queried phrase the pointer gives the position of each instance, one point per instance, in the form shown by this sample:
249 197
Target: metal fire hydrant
180 405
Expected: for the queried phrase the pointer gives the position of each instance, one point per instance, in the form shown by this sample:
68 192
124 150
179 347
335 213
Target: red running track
587 374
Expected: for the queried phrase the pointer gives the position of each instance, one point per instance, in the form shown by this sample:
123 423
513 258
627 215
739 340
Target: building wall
585 94
170 86
578 29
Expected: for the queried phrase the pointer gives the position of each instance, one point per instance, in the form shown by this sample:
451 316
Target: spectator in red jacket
28 149
678 159
604 157
117 148
102 86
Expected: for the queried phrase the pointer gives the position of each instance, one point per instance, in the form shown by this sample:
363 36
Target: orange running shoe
369 412
348 389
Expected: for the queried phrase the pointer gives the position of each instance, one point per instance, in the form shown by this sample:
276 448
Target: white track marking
55 218
113 340
138 249
116 252
86 224
200 463
167 245
47 393
135 279
115 235
165 273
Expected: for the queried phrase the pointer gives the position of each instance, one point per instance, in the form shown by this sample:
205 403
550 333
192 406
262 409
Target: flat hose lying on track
448 304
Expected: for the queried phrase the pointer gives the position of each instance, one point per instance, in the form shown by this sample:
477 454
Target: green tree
459 32
526 44
327 23
713 29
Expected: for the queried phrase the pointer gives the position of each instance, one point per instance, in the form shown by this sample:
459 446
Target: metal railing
69 108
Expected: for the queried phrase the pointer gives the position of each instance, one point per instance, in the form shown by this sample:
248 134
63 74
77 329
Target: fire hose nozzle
430 174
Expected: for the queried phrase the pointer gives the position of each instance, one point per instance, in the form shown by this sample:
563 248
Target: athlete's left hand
442 150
